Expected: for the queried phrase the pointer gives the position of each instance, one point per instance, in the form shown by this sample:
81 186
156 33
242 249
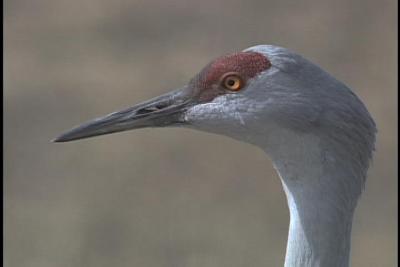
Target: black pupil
231 82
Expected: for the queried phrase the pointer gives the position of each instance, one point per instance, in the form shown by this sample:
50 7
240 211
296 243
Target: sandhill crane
318 134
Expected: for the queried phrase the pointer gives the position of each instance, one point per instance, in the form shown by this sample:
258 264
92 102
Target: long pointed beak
165 110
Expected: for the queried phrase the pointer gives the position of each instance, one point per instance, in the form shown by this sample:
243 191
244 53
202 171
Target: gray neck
321 198
322 176
319 230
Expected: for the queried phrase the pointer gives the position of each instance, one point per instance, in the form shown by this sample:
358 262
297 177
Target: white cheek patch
226 109
239 116
205 113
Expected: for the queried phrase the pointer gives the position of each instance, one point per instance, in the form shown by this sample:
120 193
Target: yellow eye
232 82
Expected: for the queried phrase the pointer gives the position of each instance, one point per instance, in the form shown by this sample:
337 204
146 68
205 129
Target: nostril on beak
146 110
150 109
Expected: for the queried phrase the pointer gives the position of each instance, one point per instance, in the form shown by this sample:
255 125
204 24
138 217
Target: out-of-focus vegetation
173 197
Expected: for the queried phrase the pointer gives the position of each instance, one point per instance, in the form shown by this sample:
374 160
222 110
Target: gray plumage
318 134
308 99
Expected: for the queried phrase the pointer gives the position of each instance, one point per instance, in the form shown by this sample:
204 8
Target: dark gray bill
165 110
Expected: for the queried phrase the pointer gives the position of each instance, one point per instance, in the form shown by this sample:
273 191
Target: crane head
229 76
252 95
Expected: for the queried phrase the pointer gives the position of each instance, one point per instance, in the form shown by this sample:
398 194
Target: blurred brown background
173 197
